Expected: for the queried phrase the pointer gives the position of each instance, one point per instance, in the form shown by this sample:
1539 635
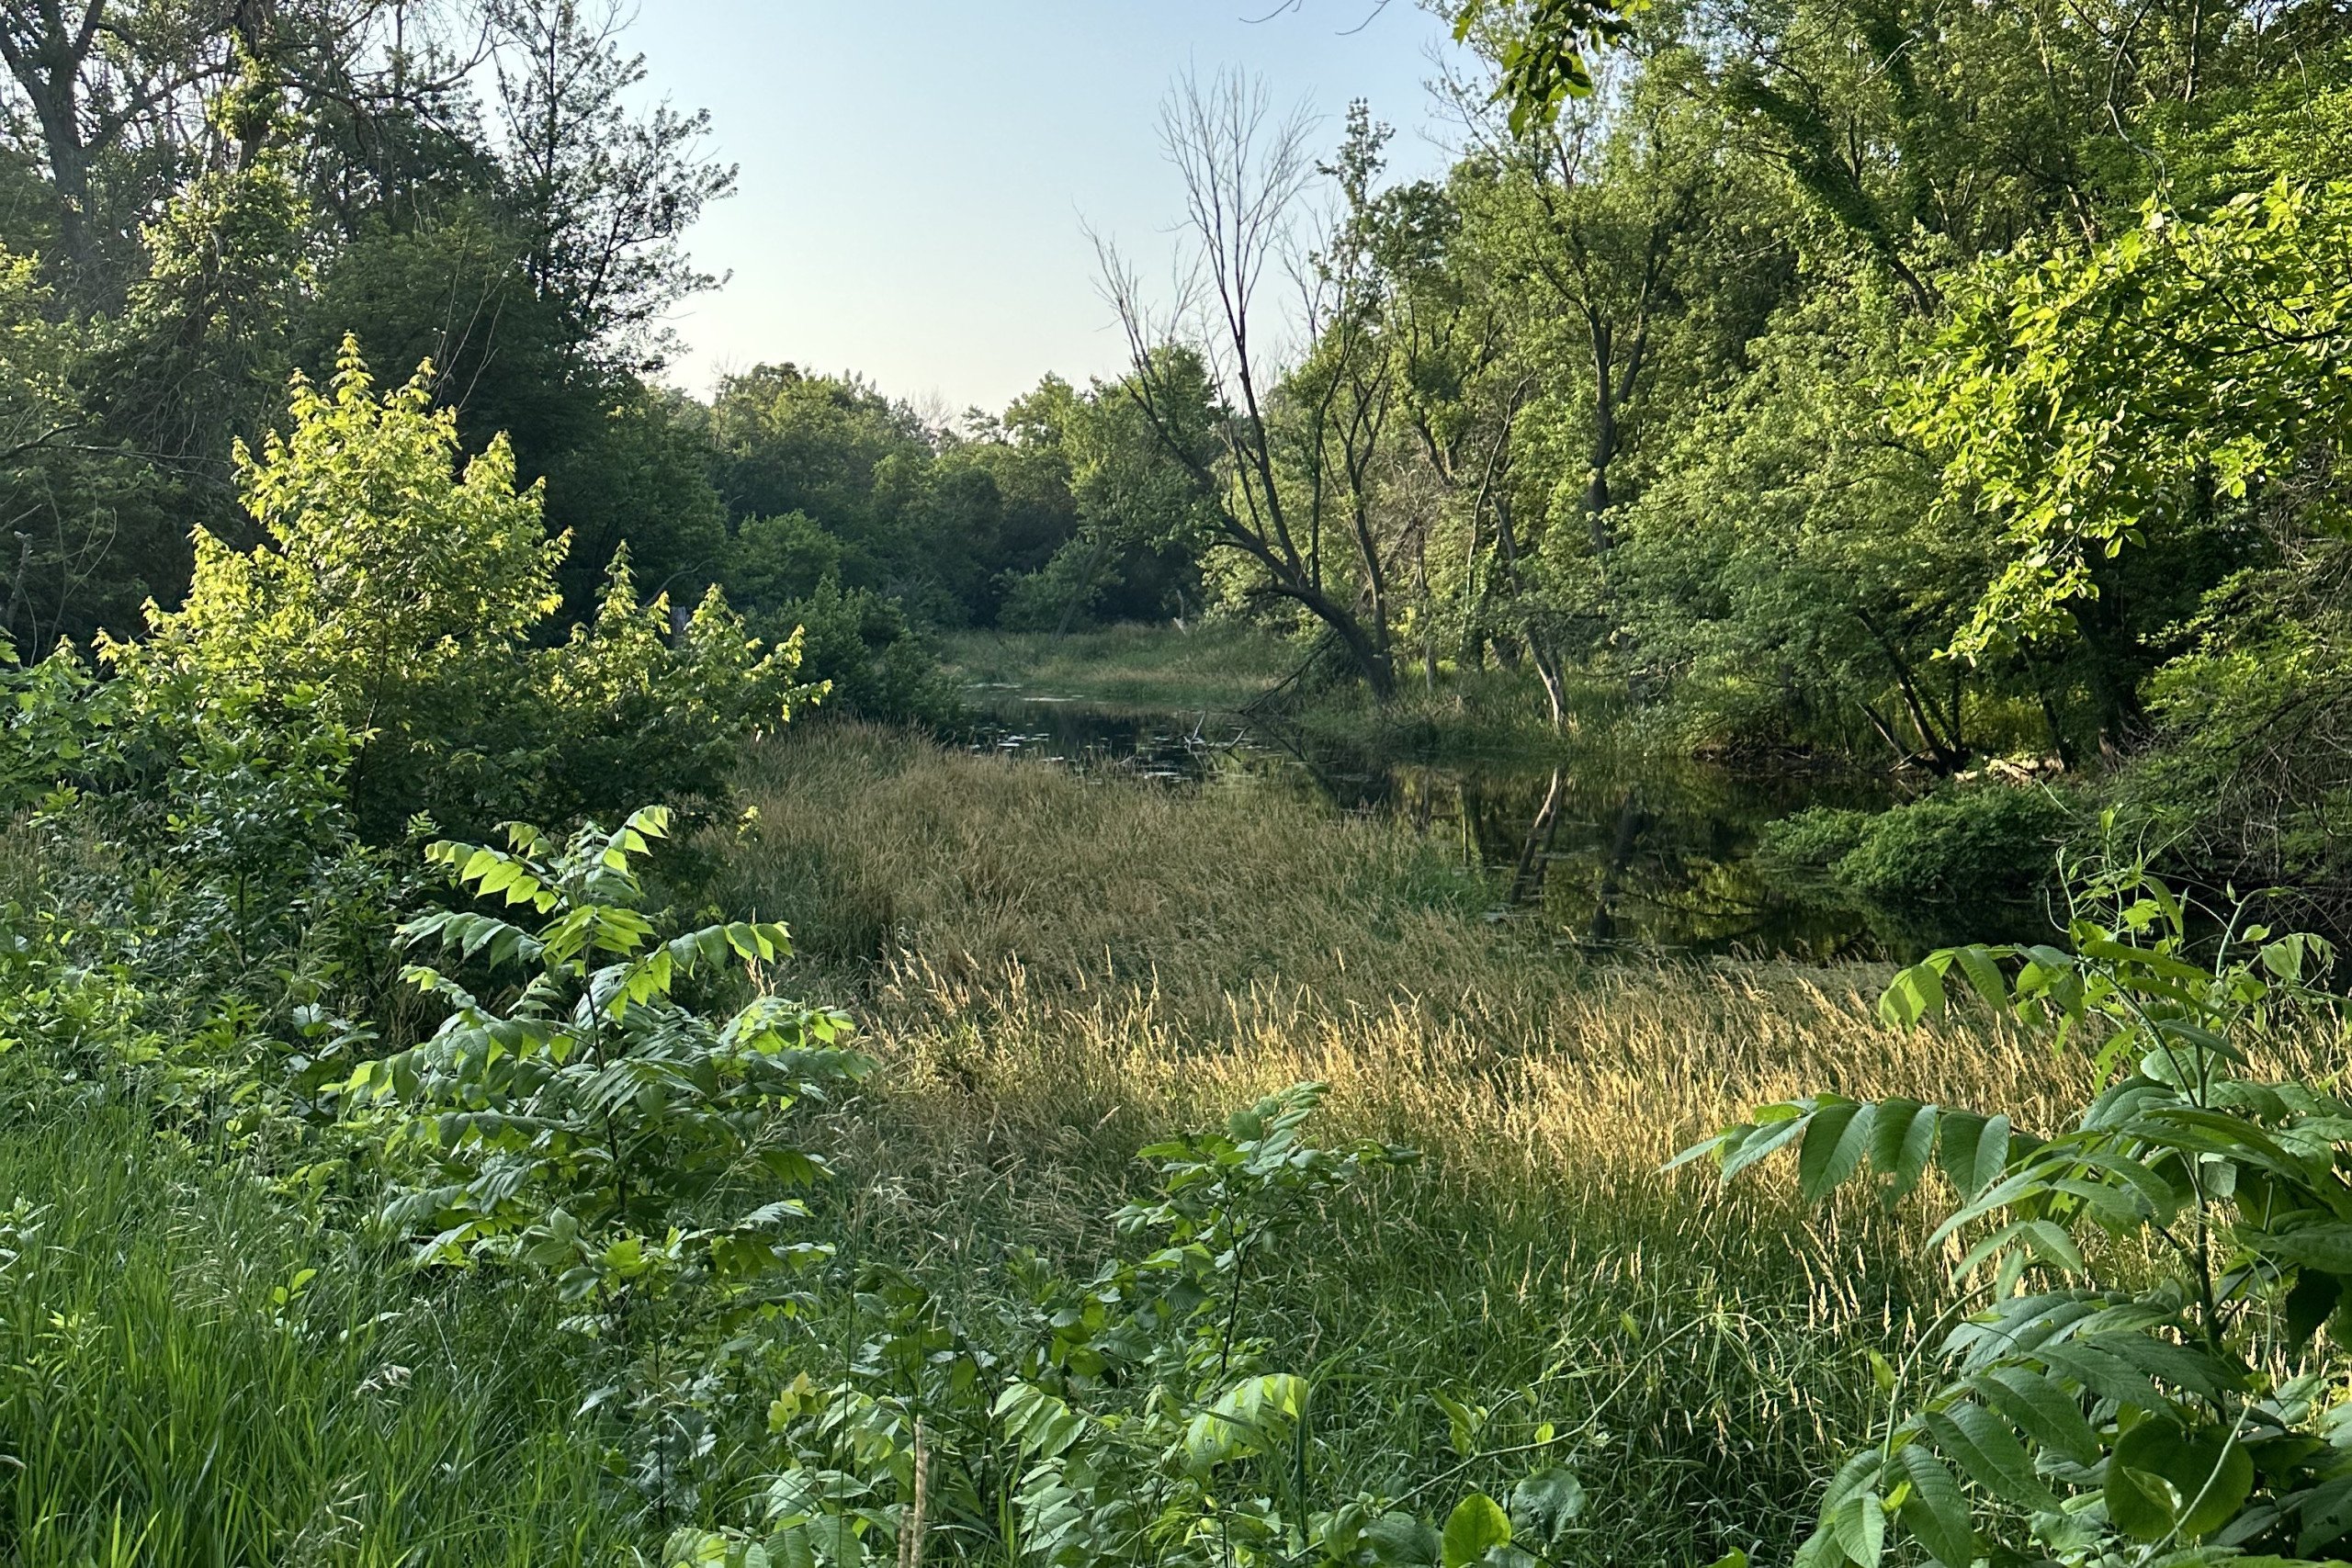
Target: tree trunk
1527 877
45 52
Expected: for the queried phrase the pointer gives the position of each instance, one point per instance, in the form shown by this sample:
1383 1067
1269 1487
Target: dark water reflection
1611 848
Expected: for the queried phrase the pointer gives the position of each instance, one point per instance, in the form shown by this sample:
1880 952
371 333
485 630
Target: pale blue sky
915 174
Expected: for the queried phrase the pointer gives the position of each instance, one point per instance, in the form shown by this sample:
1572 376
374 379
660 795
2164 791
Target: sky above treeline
918 177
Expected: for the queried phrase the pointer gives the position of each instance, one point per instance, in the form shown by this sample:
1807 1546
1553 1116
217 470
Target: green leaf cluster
2083 1406
580 1119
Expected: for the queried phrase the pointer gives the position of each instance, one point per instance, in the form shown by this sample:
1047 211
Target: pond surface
1609 850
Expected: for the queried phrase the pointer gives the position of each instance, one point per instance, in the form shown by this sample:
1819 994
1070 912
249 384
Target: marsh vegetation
1212 969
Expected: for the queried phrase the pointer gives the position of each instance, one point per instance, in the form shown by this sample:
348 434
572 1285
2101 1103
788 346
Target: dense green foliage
2132 1369
413 1153
1887 384
1949 865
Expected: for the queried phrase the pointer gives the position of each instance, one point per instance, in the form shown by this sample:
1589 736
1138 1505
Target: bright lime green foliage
1542 49
392 567
2067 1404
2095 403
400 592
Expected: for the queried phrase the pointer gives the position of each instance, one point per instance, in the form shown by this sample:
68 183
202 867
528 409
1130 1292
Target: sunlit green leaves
2081 400
2150 1396
1251 1417
1476 1527
571 1124
1542 48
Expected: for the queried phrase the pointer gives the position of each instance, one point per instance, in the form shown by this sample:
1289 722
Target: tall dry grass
1187 947
1056 970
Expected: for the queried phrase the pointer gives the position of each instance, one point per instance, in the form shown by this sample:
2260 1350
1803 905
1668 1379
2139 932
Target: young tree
450 556
603 194
396 580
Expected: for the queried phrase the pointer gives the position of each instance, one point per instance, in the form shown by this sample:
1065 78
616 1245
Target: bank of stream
1609 846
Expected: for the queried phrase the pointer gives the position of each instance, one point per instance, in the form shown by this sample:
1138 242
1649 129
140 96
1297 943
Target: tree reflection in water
1615 848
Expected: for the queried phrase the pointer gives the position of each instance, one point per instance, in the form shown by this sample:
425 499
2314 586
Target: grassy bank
1056 971
1217 668
1221 669
199 1376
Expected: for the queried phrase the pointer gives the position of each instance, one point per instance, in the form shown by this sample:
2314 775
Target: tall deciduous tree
1244 171
604 193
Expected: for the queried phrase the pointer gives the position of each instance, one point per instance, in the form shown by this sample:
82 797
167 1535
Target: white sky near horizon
917 177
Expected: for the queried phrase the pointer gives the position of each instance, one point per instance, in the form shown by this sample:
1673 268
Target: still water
1609 850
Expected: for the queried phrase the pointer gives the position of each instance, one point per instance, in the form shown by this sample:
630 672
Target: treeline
1907 382
1892 381
200 198
1673 381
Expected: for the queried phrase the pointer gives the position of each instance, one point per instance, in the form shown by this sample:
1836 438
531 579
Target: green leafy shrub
396 583
773 560
1059 595
404 591
874 664
1991 845
235 884
199 914
51 715
1951 865
584 1126
2143 1355
630 706
1801 851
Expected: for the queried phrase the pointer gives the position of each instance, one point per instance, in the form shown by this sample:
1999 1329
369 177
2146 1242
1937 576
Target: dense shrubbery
2141 1356
396 600
1980 856
874 664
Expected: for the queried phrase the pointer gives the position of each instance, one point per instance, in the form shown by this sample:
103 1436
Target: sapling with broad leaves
2145 1364
584 1121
